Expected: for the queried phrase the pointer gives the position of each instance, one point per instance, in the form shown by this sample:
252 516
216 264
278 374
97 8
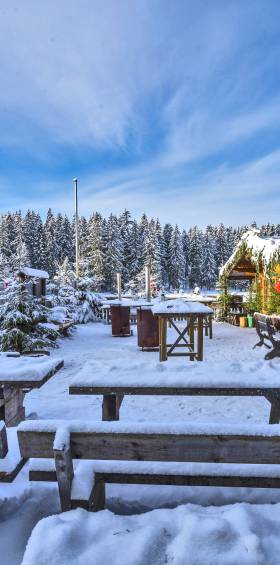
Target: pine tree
195 257
177 266
96 250
209 270
21 321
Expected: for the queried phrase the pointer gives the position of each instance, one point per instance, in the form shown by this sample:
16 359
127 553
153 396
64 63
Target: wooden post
191 335
97 500
274 416
3 442
119 286
110 407
211 326
163 335
200 338
64 473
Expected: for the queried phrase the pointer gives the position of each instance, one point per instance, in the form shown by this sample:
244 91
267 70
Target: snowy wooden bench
201 454
113 394
266 332
11 461
19 375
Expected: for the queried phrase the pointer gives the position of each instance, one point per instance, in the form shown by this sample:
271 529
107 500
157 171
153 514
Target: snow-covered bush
87 302
22 319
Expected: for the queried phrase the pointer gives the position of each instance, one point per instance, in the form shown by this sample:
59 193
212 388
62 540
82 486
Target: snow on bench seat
65 427
161 468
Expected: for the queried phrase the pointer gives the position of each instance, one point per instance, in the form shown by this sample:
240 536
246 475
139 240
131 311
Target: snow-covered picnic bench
178 384
178 454
18 375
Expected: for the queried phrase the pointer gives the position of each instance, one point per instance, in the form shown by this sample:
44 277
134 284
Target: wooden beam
238 448
65 474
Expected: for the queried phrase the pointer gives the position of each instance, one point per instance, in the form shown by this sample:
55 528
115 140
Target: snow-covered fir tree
22 321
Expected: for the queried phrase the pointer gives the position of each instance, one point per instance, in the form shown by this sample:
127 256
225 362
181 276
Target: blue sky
167 107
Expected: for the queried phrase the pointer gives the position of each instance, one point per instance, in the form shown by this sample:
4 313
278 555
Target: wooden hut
256 259
37 280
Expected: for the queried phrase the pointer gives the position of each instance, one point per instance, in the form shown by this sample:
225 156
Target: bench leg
111 407
97 501
274 417
64 473
3 443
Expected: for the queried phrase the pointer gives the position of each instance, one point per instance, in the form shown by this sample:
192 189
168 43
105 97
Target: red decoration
277 286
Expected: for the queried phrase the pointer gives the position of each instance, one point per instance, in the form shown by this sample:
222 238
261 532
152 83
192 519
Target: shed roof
36 273
260 250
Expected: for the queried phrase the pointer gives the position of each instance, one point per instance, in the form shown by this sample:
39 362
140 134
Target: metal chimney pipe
119 285
76 226
148 282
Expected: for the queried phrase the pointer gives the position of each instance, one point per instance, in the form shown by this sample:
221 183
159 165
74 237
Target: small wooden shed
256 259
37 280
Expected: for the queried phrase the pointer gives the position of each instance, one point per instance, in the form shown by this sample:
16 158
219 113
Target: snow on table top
64 427
130 303
28 369
181 307
223 374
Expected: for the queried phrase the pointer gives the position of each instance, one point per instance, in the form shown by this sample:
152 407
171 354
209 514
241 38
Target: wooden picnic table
192 314
113 394
19 375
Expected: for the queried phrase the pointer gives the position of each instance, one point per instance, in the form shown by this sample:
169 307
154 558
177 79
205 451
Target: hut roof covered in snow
261 252
35 273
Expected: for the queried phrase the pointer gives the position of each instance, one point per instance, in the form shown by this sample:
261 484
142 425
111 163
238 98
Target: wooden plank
97 500
42 475
189 480
3 442
176 390
65 474
157 447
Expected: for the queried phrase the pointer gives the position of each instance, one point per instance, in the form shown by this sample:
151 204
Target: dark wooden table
113 394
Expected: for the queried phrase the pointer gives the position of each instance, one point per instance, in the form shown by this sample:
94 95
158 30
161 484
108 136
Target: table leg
110 407
274 416
200 339
191 334
162 339
211 326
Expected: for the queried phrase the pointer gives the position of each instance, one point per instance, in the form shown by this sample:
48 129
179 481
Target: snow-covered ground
189 525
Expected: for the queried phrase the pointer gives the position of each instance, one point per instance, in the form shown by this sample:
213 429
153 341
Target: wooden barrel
120 317
147 329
